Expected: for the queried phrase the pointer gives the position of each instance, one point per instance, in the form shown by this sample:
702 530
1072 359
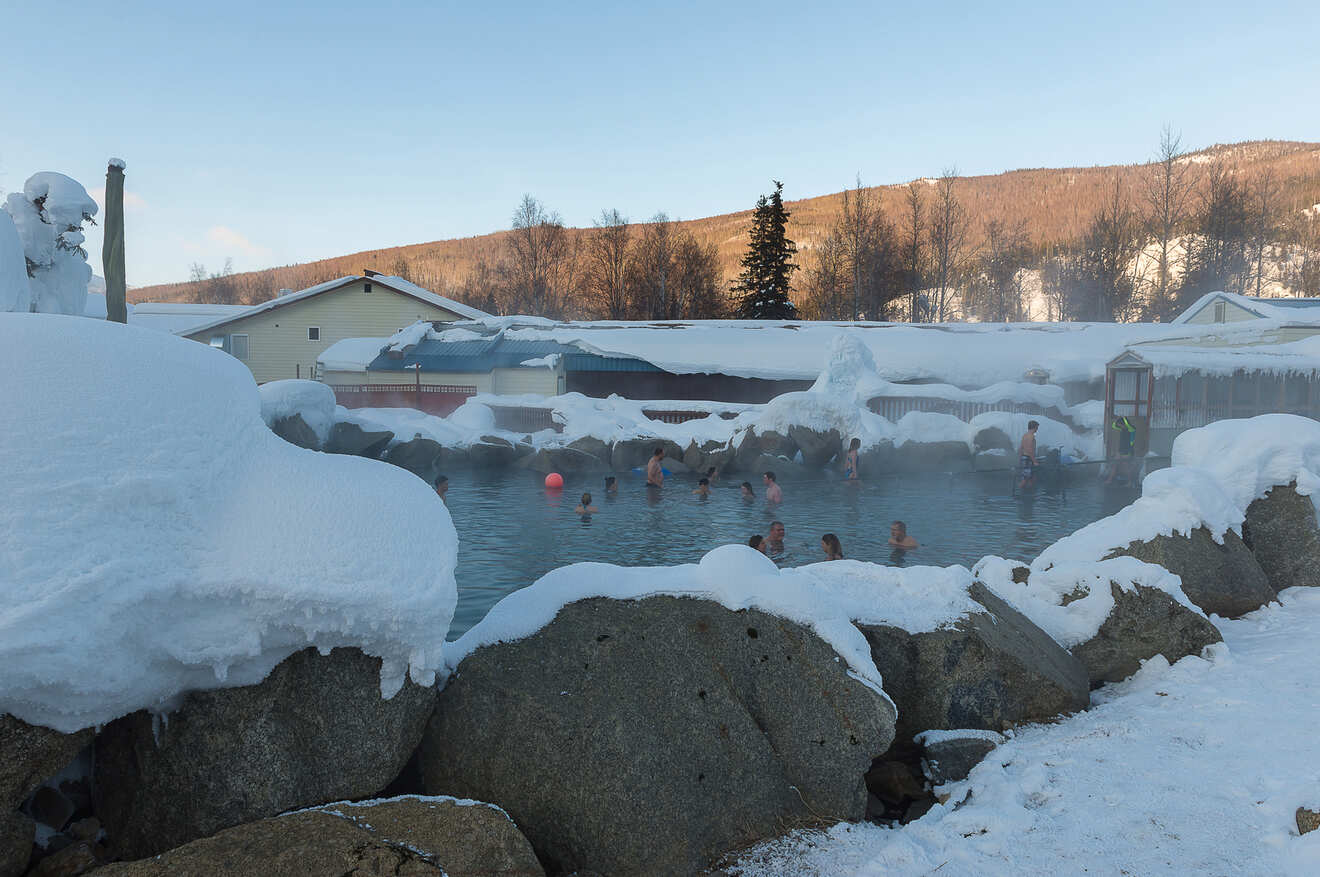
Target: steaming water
512 531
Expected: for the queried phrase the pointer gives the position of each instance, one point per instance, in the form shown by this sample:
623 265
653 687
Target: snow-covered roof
351 354
163 316
1295 310
398 284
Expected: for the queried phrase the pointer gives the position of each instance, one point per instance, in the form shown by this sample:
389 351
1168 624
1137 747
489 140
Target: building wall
278 347
1232 313
518 381
480 381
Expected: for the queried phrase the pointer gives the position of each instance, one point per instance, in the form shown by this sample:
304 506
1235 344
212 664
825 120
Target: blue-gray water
512 530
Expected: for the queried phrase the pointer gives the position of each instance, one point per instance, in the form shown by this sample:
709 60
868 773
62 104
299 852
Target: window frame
247 346
310 330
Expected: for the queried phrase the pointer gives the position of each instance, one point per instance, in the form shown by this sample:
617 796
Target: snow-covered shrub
48 215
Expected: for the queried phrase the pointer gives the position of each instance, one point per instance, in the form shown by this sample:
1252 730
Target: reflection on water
512 530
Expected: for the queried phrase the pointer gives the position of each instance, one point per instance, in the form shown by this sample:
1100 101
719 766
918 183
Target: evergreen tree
763 285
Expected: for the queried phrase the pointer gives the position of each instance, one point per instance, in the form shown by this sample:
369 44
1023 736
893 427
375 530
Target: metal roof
482 355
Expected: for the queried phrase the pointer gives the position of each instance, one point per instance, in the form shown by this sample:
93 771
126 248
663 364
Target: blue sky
276 133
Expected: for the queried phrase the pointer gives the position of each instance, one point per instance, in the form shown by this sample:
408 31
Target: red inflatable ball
554 481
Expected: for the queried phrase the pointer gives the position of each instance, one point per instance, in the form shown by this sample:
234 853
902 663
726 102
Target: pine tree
763 285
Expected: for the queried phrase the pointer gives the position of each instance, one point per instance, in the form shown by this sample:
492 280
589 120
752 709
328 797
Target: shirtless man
655 473
1027 455
772 491
775 544
899 538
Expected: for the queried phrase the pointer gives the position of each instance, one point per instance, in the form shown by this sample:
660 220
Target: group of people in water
773 545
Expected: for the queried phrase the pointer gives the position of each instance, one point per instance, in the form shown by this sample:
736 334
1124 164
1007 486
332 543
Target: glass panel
1125 384
1271 387
239 346
1125 409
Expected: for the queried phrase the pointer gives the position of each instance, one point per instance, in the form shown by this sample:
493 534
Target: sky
273 133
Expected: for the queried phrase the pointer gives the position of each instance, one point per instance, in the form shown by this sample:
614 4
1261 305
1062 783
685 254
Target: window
1221 311
313 333
366 287
220 342
238 346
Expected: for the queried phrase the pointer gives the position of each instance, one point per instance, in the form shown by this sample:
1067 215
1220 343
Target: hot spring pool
512 530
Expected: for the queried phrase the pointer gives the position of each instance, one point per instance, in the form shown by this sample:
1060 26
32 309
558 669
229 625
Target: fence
892 408
437 399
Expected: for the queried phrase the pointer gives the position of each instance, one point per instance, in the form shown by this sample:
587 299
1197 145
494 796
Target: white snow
351 354
830 598
1196 768
15 292
117 162
1248 457
157 537
409 336
48 215
312 400
928 738
550 361
1085 584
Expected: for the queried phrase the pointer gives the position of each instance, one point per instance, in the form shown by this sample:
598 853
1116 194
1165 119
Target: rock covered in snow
311 402
169 541
48 216
989 669
352 439
1221 576
315 730
423 457
1111 615
949 756
729 725
1284 537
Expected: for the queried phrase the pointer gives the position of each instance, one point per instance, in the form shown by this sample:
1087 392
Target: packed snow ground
1196 768
156 537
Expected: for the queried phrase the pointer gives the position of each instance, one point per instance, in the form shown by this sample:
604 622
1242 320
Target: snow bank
157 537
1248 457
312 400
1174 500
1070 601
1162 777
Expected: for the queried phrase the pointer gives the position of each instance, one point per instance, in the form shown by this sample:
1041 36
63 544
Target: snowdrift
157 537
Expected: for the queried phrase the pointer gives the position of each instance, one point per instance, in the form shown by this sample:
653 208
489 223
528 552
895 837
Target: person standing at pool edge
655 473
1027 454
850 461
772 491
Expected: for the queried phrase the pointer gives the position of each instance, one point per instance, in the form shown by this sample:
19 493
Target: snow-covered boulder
1221 576
423 457
566 460
748 707
949 756
1111 615
353 439
48 216
315 730
986 667
1283 535
156 537
300 412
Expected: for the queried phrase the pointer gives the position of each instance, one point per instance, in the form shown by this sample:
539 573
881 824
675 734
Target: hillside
1055 203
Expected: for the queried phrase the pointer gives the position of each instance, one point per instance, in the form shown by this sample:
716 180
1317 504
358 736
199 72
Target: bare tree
1168 189
1218 255
913 249
1099 282
653 268
995 293
1263 192
827 289
949 243
696 280
856 228
1302 253
539 267
608 257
